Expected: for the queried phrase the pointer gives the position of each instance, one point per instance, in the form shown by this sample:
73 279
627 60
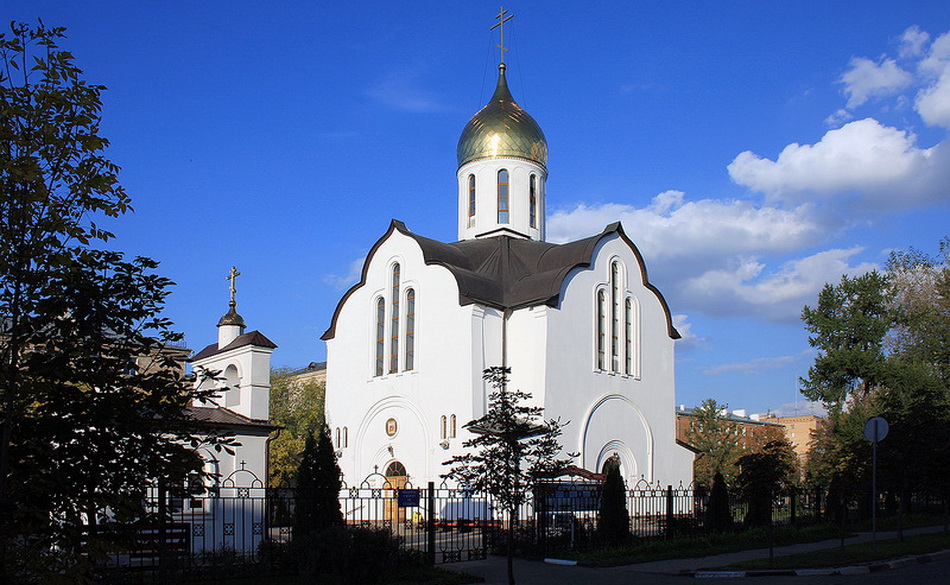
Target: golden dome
502 129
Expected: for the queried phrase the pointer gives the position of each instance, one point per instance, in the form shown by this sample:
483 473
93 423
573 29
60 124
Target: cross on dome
502 19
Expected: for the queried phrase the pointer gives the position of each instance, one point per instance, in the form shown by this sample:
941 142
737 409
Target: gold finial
232 276
502 19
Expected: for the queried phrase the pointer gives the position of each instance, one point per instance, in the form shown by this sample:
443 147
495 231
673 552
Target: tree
764 475
716 438
298 408
718 512
92 404
513 448
847 328
318 488
614 524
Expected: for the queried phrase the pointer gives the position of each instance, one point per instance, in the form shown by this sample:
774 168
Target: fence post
430 525
162 534
669 511
792 505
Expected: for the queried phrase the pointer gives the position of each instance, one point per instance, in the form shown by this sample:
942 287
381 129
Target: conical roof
502 129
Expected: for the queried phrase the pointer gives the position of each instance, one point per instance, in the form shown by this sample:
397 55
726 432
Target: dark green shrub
344 555
718 514
614 524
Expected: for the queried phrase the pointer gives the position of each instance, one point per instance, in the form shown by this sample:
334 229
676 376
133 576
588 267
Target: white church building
579 324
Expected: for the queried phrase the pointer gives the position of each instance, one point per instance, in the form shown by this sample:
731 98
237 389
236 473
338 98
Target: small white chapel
579 324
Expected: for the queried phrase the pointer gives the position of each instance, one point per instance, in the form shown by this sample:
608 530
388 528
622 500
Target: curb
855 570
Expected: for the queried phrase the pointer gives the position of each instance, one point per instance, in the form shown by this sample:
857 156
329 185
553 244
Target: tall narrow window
615 317
410 328
533 202
338 444
601 328
394 331
444 428
380 334
628 337
502 196
346 437
452 426
471 195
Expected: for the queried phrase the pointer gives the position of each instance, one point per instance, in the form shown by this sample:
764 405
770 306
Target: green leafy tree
318 488
92 405
763 476
513 448
847 328
614 519
716 438
297 407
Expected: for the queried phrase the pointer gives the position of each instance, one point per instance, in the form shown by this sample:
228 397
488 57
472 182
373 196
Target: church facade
579 324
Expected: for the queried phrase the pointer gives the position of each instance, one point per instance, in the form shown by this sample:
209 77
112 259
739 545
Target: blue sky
753 150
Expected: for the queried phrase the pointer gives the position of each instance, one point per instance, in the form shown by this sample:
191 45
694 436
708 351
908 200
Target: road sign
876 429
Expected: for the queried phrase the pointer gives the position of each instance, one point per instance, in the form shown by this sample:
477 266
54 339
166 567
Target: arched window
346 437
628 337
394 330
410 328
380 334
444 426
471 195
615 317
533 202
503 196
601 328
337 441
452 427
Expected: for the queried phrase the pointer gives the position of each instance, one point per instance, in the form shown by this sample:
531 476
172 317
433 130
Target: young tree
318 488
718 512
614 519
512 449
298 408
716 438
92 405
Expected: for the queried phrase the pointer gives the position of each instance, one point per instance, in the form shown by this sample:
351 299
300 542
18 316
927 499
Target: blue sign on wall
408 498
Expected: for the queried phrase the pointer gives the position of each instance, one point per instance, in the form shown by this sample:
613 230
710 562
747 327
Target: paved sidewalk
493 569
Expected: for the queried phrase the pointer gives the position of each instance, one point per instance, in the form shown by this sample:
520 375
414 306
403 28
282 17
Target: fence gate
447 525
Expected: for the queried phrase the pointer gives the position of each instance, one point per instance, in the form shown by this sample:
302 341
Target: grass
690 547
855 554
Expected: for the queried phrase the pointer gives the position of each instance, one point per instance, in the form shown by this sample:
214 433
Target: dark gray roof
505 272
220 416
252 338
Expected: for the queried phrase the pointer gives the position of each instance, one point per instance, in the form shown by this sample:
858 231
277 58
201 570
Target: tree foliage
318 487
298 407
884 350
512 450
614 520
717 439
764 475
848 328
92 405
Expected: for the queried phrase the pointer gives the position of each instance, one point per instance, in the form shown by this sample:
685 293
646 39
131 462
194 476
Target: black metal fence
243 526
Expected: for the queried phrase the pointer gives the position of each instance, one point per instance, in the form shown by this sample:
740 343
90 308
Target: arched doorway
396 478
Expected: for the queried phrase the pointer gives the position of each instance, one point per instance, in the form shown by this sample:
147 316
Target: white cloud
933 103
673 227
938 58
882 164
912 42
755 366
688 339
345 281
745 288
866 79
399 90
839 117
800 408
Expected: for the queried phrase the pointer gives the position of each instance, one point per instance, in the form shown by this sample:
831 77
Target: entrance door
396 477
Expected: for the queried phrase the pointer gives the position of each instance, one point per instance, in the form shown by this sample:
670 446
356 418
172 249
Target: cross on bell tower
502 19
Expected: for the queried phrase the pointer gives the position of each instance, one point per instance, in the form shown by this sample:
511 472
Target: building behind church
579 324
